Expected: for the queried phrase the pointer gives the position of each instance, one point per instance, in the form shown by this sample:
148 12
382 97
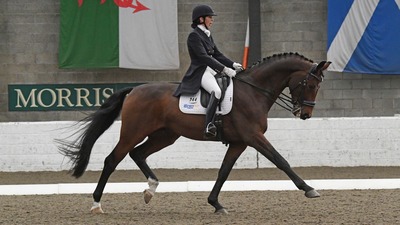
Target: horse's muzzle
305 116
306 109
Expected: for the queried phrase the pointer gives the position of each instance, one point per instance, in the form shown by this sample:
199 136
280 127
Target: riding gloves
230 72
238 67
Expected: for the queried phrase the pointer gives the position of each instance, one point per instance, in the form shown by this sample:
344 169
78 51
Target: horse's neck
272 78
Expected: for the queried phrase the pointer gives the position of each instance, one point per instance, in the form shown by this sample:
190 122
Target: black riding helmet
201 11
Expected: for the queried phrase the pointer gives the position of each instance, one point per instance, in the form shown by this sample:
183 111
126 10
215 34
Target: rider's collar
204 29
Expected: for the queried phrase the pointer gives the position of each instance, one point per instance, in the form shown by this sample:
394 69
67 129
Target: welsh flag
119 34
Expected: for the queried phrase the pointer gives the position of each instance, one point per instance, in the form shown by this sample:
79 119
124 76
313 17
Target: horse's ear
323 65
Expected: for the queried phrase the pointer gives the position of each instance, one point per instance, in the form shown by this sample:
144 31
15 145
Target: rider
206 62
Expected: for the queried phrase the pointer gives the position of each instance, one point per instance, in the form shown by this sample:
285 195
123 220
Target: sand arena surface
252 207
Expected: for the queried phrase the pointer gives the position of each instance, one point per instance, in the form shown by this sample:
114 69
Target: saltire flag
119 34
364 36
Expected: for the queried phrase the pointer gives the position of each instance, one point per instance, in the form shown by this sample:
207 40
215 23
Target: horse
151 121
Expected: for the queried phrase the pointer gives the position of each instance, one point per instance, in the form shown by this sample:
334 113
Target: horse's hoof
147 195
312 194
96 208
221 211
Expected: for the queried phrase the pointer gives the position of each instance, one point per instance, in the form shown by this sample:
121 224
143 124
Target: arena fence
336 142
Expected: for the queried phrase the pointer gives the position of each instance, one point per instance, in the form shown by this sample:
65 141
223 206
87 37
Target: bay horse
151 111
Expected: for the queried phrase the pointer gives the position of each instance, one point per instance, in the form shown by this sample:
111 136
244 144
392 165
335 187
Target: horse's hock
336 142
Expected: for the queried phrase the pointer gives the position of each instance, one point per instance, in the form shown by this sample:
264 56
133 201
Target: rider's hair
196 22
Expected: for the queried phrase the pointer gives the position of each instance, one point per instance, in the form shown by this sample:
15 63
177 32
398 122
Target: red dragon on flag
124 4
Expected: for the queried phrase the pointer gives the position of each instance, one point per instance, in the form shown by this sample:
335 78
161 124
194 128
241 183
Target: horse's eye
311 86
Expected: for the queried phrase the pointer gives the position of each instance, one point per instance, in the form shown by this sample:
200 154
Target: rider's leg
209 83
211 129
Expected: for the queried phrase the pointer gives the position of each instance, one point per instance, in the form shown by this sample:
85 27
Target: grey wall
29 47
337 142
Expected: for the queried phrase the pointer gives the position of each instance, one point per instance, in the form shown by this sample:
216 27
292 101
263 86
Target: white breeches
209 83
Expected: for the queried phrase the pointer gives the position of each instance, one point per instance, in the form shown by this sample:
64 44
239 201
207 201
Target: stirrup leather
211 129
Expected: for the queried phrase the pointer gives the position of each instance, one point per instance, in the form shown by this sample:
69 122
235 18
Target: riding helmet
202 10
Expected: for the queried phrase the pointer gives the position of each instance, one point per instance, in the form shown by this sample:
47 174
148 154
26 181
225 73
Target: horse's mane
280 56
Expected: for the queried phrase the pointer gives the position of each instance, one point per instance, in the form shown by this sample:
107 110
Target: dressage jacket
203 52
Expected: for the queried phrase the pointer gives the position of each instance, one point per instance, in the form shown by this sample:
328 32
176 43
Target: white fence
336 142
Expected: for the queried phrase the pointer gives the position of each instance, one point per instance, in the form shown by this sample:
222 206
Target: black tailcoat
203 52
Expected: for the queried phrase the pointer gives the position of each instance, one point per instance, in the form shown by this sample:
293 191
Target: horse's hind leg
110 163
155 142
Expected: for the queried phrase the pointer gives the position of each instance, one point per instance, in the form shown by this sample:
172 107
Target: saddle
197 103
223 83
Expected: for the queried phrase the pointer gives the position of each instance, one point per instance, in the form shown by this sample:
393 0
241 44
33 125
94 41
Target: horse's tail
94 126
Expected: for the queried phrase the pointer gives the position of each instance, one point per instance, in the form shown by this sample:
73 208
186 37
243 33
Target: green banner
88 34
60 97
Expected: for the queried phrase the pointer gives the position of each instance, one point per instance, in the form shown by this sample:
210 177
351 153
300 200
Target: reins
287 101
265 92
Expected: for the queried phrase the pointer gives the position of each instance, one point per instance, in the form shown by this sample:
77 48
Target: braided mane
279 56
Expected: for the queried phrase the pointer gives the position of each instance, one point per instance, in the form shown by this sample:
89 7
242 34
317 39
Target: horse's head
304 89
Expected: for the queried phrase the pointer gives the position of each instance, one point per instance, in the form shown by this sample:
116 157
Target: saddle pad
191 104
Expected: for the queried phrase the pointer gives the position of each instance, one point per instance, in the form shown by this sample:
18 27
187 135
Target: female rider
206 62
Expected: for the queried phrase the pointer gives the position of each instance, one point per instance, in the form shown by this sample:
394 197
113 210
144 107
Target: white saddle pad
191 104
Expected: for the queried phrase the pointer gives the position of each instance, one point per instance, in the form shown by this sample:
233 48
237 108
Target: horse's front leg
262 145
233 153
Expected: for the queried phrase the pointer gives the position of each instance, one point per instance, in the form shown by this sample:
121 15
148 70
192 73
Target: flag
119 34
363 36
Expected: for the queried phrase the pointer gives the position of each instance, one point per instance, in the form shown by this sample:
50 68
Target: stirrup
211 130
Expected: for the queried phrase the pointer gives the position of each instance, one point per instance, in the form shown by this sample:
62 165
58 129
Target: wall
337 142
29 48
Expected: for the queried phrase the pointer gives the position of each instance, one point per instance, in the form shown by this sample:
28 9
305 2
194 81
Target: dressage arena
245 207
352 162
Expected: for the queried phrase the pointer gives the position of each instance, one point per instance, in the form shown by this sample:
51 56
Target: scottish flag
364 36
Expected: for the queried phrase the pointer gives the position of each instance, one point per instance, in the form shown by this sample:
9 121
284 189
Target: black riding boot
211 129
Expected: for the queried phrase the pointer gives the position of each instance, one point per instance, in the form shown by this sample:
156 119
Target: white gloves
228 71
238 67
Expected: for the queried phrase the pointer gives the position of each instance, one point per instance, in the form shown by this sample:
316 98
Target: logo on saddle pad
192 104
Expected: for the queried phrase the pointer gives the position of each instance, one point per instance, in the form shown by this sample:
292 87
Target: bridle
287 100
300 100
